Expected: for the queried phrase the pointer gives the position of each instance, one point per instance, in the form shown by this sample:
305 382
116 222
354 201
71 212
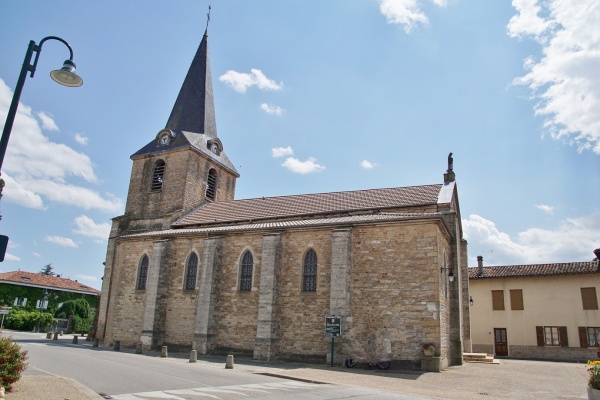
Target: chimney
597 254
479 265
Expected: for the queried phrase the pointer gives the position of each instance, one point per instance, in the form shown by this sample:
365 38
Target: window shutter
16 303
539 331
497 299
24 302
583 337
589 299
516 299
562 332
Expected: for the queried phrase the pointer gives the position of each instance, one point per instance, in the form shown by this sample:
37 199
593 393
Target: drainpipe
479 265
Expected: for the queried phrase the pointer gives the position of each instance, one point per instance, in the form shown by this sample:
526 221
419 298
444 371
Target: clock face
214 148
164 139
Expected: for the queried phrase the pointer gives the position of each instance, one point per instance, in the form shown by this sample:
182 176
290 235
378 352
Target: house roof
32 279
535 270
310 205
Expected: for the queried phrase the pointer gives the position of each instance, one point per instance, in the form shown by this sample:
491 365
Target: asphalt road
127 376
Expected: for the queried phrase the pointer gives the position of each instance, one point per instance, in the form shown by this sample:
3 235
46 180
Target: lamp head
66 75
451 275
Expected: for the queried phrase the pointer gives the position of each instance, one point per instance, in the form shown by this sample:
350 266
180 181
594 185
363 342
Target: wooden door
500 342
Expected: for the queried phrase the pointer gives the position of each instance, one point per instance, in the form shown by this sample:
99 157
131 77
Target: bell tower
184 166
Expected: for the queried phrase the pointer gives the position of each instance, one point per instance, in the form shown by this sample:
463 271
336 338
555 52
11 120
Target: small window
158 176
211 184
552 336
589 299
246 272
191 270
516 299
309 277
497 299
593 336
142 273
20 301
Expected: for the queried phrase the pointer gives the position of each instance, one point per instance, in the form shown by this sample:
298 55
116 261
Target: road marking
206 391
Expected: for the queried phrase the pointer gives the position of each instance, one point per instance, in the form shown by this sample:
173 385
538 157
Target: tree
47 270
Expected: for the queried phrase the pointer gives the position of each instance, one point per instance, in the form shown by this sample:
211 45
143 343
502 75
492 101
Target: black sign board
333 326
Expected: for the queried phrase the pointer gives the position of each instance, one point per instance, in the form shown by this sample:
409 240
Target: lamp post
65 76
42 305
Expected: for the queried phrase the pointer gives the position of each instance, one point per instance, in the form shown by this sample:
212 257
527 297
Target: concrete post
193 356
117 345
138 348
75 339
164 352
229 362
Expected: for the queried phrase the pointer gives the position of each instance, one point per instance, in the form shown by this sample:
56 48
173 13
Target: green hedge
22 320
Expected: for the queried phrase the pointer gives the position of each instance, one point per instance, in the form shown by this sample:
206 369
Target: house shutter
539 331
16 303
562 332
583 337
24 302
497 299
589 299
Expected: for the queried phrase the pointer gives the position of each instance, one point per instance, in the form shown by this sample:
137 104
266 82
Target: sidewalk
511 379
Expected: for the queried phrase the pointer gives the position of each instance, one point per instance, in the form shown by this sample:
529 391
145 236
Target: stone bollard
117 345
95 343
49 335
164 352
75 339
193 356
138 348
55 336
229 362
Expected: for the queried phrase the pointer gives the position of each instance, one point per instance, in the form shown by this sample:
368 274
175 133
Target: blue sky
313 96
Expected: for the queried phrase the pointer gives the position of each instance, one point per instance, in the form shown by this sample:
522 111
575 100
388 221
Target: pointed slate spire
194 109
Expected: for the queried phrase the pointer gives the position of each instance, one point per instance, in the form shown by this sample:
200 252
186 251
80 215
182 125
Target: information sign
333 326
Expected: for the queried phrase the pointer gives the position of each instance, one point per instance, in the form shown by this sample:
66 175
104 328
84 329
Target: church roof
194 109
310 205
297 223
534 270
31 279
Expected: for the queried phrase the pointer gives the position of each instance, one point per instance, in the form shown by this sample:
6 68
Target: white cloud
281 152
565 80
302 167
10 257
240 81
406 12
61 241
83 140
36 168
88 278
545 208
36 254
367 164
574 239
271 109
48 123
86 226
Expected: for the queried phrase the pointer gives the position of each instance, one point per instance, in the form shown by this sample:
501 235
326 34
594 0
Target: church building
190 267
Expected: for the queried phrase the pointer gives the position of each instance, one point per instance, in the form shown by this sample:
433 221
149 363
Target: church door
500 342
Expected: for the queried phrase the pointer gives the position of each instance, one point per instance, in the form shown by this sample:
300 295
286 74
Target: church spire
194 109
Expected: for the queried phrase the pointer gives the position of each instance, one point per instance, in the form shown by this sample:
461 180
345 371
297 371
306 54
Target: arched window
142 273
309 277
158 176
211 184
191 270
246 272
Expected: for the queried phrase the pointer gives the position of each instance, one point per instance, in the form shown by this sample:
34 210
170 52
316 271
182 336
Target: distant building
24 289
188 265
540 311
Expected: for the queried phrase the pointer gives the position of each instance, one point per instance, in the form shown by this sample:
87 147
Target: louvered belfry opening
211 185
157 177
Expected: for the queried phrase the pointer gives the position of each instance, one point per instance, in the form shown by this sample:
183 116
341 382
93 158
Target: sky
312 96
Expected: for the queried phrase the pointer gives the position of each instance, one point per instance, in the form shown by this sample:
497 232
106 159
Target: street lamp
42 305
65 76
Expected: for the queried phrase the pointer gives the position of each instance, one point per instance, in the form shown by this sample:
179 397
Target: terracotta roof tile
46 281
269 208
510 271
